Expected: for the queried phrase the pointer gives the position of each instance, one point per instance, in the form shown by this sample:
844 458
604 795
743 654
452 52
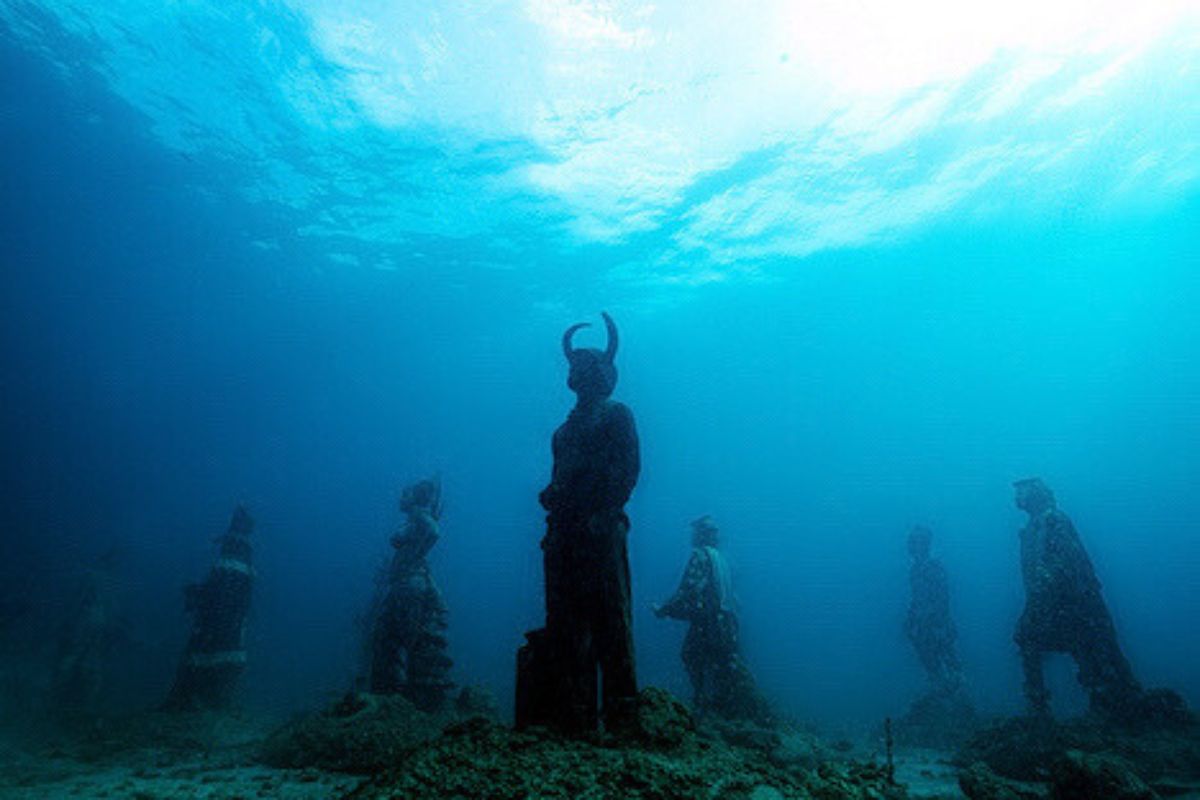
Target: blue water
297 255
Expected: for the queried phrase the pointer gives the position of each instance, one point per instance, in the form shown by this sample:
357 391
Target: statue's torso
1057 572
929 610
595 462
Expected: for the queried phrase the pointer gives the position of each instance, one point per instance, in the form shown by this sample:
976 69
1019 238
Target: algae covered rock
1030 749
362 733
1022 748
797 749
980 783
785 745
937 720
666 758
662 720
476 701
1083 776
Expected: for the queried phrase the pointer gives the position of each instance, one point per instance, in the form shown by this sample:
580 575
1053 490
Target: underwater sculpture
588 616
408 636
928 625
87 639
721 682
1066 613
215 656
944 715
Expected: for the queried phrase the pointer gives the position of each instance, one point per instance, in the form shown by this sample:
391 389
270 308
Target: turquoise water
868 268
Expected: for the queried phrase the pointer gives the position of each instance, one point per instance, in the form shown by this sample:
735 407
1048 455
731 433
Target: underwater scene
600 399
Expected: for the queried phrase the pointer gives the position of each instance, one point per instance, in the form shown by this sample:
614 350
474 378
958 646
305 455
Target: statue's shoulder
1057 522
617 412
937 570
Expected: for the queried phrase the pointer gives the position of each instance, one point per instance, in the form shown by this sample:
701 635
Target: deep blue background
159 366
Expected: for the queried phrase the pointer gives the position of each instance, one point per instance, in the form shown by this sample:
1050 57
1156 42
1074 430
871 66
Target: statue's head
242 523
705 532
593 373
1033 496
423 495
920 540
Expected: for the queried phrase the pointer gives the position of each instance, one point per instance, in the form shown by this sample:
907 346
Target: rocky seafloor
1080 759
367 746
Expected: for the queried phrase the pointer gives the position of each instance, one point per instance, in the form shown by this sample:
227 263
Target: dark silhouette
1066 613
721 682
87 640
408 637
215 656
928 625
944 715
588 616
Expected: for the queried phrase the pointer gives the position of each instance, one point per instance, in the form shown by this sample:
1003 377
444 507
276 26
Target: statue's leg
384 677
1029 638
578 712
1103 669
428 663
693 663
1036 694
615 648
561 687
737 691
579 649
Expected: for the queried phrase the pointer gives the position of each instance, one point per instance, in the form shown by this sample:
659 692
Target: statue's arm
418 537
686 601
549 496
625 464
1063 557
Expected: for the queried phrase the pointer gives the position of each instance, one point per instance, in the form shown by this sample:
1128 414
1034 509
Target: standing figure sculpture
215 656
943 716
588 616
721 683
928 625
408 636
1066 613
87 639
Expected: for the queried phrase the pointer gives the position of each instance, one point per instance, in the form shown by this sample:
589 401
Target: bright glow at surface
715 136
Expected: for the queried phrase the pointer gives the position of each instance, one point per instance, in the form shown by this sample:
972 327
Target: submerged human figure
721 682
588 616
408 637
1066 613
91 632
943 717
215 655
928 625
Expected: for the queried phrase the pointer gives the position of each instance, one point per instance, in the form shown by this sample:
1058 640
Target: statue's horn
613 339
566 342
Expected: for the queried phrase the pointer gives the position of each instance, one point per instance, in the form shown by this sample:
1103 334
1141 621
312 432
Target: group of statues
1064 613
213 658
577 673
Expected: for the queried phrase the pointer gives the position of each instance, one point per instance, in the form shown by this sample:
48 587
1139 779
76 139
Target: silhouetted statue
721 682
87 639
944 715
215 655
928 625
408 639
588 616
1066 613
